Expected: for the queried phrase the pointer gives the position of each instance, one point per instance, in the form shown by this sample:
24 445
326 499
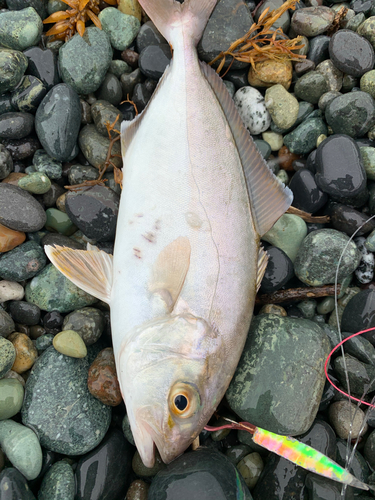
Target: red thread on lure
327 362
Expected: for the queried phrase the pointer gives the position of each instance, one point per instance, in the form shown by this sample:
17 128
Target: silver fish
187 259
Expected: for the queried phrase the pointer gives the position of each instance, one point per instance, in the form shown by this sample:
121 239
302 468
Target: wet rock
252 109
95 146
365 271
7 356
102 379
347 419
303 139
138 490
26 354
60 222
13 485
44 164
282 343
6 324
35 182
16 125
58 483
13 65
19 210
24 313
359 314
312 21
282 106
149 35
351 53
110 90
43 65
287 234
70 343
278 272
60 408
348 220
310 87
23 262
269 72
102 112
21 149
154 59
352 114
20 29
10 239
29 94
306 194
11 397
121 28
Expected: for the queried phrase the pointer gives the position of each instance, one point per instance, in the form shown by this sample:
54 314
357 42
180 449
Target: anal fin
169 271
90 270
262 265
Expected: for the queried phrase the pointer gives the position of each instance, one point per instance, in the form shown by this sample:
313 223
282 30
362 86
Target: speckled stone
85 60
10 239
346 418
102 112
21 446
20 29
7 356
45 164
14 486
50 291
11 397
312 21
70 344
282 106
102 378
95 146
60 408
58 483
319 254
287 234
252 108
13 65
23 262
35 182
121 28
302 140
57 121
43 342
19 210
16 125
331 74
365 271
270 72
258 394
138 490
28 94
205 474
310 87
6 324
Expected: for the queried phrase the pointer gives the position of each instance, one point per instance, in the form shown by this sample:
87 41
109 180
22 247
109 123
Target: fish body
187 259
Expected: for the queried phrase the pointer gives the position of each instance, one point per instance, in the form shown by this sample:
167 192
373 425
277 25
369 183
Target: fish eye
183 400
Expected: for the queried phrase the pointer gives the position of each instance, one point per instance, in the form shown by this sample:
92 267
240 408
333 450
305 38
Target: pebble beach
64 432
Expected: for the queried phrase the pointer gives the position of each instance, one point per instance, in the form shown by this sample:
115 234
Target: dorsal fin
90 270
269 199
170 269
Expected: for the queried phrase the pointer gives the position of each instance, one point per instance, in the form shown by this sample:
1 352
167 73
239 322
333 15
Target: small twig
296 294
319 219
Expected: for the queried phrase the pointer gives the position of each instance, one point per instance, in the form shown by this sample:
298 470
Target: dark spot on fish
149 237
157 225
137 253
139 215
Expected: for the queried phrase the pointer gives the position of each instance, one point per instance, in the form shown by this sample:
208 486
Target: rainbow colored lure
298 453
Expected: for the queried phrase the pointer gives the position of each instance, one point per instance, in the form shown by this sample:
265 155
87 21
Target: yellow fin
90 270
262 265
170 269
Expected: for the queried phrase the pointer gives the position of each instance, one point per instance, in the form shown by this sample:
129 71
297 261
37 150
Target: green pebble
307 308
282 106
44 341
118 68
7 356
59 221
355 22
46 165
21 445
367 30
121 28
326 306
70 343
127 430
95 146
20 29
58 483
274 139
13 65
367 83
370 242
368 158
11 397
23 262
36 183
303 139
287 234
283 176
50 290
310 87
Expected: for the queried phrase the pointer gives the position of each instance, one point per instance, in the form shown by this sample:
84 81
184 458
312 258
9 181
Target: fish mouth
145 445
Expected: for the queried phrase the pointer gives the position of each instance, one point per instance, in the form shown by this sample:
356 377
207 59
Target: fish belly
183 177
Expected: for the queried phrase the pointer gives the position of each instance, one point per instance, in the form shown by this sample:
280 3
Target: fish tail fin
171 17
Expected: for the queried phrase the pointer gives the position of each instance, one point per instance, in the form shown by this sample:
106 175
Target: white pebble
252 109
347 419
365 271
10 290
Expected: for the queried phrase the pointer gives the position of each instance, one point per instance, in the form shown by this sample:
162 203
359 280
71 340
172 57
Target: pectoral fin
262 265
169 271
90 270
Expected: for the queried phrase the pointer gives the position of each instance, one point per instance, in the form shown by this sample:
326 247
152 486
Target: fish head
171 381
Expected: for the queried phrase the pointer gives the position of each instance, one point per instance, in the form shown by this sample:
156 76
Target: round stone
7 356
60 222
58 483
270 72
36 183
138 490
11 397
287 234
311 86
141 470
26 354
339 167
20 29
50 291
312 21
278 272
103 112
6 162
29 94
14 485
59 407
121 28
44 164
351 53
23 262
252 108
258 394
359 314
16 125
102 378
282 106
70 343
318 49
368 158
10 239
349 220
10 290
347 419
13 65
154 59
149 35
352 114
302 140
319 254
250 468
24 313
19 210
84 61
95 146
21 446
331 74
110 90
306 194
43 342
88 322
43 65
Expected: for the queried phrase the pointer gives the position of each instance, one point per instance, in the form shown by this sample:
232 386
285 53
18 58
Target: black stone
57 122
5 103
359 314
361 6
278 272
358 466
94 211
110 90
129 81
238 78
13 486
43 65
318 49
339 167
141 96
320 488
351 53
21 149
348 220
24 313
154 59
19 210
16 125
149 35
61 240
29 94
127 110
39 5
103 473
304 66
306 194
281 479
53 321
50 197
204 474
